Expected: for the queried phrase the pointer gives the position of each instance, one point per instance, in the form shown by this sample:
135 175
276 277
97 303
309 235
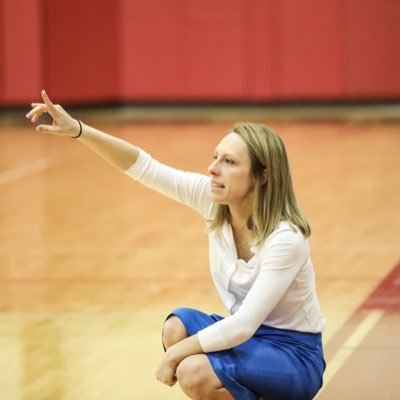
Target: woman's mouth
215 185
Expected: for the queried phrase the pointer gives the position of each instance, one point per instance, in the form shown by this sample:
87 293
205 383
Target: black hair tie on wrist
80 130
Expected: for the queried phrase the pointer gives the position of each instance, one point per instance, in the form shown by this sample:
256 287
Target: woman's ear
264 178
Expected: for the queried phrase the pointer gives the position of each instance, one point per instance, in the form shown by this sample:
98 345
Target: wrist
77 135
172 357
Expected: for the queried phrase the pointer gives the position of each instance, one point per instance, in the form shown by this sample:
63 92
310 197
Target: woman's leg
173 331
195 374
199 381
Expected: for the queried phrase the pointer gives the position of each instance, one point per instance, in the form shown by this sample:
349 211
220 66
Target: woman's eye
229 161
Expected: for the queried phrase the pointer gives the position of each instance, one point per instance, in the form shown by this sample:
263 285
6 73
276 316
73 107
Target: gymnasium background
90 262
118 51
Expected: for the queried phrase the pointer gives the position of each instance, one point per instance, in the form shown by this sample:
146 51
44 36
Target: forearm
183 349
116 151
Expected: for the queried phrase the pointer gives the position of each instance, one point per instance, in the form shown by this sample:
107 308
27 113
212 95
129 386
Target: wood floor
91 262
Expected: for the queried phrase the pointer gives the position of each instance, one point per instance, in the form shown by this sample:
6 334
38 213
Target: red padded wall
151 56
21 50
311 59
262 58
372 48
182 50
199 50
2 55
82 50
213 49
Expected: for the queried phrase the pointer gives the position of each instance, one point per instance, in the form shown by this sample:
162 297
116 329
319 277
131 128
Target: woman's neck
239 218
242 235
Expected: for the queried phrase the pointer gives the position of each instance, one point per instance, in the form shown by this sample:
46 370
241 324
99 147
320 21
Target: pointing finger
49 105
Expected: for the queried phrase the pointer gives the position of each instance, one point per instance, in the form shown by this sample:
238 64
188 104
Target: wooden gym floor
91 262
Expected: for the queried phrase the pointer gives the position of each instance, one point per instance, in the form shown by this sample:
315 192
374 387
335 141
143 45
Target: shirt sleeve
283 258
191 189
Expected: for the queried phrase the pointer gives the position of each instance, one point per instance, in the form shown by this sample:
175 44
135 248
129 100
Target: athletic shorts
277 364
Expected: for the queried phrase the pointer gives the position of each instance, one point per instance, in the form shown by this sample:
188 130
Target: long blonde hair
274 199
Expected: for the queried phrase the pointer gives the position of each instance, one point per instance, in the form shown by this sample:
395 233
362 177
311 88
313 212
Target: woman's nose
212 168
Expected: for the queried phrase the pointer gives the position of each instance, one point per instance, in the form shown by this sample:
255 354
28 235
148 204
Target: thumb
46 129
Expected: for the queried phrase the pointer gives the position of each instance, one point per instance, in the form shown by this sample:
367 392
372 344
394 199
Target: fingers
168 383
36 112
167 380
166 376
50 106
63 123
40 108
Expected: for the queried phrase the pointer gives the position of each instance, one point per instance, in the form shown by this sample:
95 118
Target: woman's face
231 180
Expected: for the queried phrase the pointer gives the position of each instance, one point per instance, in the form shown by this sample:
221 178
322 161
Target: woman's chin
217 199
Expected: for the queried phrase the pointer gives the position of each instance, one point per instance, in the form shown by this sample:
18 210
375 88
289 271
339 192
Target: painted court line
351 345
23 171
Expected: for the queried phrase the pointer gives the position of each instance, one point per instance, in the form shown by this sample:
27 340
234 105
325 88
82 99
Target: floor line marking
23 171
350 345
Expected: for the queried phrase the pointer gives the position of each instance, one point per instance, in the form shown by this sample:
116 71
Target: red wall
81 51
310 52
2 72
20 50
372 48
199 50
195 52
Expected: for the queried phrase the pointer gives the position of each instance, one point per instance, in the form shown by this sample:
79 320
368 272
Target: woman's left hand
174 355
165 372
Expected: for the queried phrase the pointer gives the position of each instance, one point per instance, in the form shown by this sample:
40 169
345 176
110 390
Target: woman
270 344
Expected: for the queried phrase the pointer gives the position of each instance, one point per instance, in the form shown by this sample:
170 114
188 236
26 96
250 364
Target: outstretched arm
119 153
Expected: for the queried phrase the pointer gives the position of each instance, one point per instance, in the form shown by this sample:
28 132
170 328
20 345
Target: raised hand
63 123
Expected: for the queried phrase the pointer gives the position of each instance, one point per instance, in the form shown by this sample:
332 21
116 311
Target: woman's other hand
165 372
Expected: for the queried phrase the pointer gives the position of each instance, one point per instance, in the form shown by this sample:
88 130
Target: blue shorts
278 364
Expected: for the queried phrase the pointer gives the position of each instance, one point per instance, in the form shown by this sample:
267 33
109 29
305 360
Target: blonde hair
274 199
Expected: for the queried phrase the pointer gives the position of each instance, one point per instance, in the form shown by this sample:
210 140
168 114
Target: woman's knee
196 376
173 331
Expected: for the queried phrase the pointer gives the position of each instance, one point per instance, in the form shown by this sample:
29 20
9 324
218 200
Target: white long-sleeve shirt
276 287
